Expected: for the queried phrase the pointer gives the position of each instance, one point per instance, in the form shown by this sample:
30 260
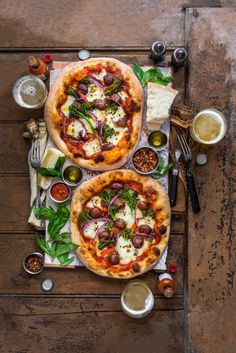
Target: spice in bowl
145 160
59 192
33 263
157 139
72 175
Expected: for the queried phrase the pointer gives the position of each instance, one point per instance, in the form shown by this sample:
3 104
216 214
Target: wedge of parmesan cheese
159 101
49 160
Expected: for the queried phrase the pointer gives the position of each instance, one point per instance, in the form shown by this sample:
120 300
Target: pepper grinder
158 50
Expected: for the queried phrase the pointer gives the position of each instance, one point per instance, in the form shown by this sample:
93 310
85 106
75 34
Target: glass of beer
208 127
137 299
30 92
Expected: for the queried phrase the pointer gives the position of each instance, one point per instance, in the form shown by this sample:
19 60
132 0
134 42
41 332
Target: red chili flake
172 268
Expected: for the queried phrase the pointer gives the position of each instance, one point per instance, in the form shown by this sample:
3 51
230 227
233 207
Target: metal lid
168 292
201 159
47 285
84 54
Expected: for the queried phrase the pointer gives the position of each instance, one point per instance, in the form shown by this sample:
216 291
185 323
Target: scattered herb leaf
53 172
104 242
115 87
127 234
154 75
129 196
84 217
107 132
162 169
148 213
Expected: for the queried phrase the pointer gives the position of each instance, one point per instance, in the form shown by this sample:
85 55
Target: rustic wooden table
82 313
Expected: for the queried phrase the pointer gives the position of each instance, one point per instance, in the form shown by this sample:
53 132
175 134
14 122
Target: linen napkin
36 129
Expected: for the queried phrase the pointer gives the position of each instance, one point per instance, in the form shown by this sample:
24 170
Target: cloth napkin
36 129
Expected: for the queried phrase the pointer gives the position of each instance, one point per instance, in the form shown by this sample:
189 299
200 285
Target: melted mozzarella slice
95 92
92 147
74 129
115 116
91 229
127 215
146 220
95 201
65 107
100 114
100 75
143 248
123 94
125 250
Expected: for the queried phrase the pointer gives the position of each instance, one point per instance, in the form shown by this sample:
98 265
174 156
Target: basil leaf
44 212
49 172
139 72
65 260
65 248
154 75
43 244
59 163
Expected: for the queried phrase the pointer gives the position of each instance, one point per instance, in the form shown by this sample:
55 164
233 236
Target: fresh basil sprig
59 244
53 172
154 75
162 169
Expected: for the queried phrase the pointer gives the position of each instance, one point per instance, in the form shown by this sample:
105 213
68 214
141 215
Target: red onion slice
95 119
93 221
115 101
143 235
102 126
112 200
95 81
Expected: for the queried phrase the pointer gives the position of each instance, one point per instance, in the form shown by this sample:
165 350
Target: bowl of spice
59 192
145 160
72 175
157 139
33 263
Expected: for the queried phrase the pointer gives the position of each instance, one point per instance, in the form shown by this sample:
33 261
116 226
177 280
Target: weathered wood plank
105 23
15 147
62 325
212 241
71 281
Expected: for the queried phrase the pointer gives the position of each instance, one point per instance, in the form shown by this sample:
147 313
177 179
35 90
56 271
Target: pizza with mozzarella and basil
94 113
121 222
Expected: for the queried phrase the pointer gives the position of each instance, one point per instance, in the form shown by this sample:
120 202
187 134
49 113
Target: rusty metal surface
212 242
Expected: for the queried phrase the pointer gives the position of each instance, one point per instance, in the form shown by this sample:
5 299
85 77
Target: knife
174 178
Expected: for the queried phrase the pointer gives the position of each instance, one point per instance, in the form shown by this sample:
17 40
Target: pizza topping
107 146
129 196
114 258
92 147
105 234
72 92
126 234
91 227
117 186
136 267
144 228
146 221
156 251
115 87
137 241
126 250
75 111
162 229
84 217
104 242
108 79
120 223
94 80
76 130
100 104
82 88
143 205
119 203
65 107
107 132
95 92
121 122
149 213
95 212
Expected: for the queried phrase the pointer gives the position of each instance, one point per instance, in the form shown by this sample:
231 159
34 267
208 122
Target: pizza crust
93 186
119 155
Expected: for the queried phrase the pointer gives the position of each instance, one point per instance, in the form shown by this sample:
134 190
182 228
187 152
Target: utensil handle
173 189
193 192
37 203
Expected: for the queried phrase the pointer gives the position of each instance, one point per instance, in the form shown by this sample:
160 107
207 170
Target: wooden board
212 241
85 325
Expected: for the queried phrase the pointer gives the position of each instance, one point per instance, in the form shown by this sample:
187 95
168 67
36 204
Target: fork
35 163
189 175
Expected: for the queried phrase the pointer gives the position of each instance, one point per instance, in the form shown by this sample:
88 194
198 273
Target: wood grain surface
212 242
